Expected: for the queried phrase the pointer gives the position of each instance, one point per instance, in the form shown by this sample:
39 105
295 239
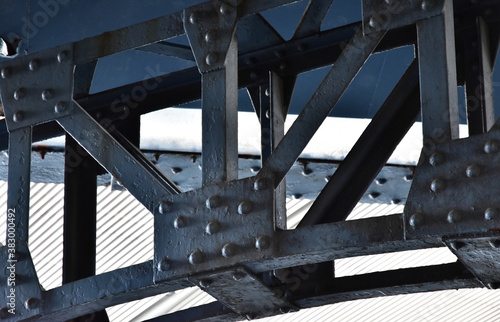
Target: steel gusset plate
214 227
37 88
243 293
456 188
22 295
480 253
389 14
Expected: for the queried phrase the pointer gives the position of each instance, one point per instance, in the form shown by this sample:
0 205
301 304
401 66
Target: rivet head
453 216
30 303
224 9
195 257
245 207
373 195
380 181
18 116
212 202
209 36
164 265
254 76
47 94
60 107
262 242
491 213
491 146
473 171
192 18
495 243
238 276
180 222
395 201
260 184
164 207
427 4
408 177
61 57
6 72
212 228
229 250
34 65
436 158
19 93
374 23
211 58
417 219
205 283
390 2
437 185
457 244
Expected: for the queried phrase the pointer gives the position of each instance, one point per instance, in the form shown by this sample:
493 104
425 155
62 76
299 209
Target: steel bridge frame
230 237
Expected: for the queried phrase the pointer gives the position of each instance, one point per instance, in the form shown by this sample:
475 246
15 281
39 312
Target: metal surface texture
228 233
462 171
389 14
214 227
37 88
243 292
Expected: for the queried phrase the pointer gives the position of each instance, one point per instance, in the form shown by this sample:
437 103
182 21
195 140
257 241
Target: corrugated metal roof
125 237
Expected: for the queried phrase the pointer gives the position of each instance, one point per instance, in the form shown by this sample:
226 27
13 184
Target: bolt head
416 219
47 94
195 257
61 57
491 146
164 265
245 207
436 158
263 242
6 72
18 116
31 303
211 58
491 213
213 202
229 250
453 216
437 185
212 228
164 207
19 93
180 222
34 65
60 107
473 171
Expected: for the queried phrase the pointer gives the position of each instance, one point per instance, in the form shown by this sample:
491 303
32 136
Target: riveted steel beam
122 159
438 76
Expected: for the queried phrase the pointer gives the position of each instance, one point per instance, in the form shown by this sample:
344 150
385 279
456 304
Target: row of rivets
453 216
228 250
210 36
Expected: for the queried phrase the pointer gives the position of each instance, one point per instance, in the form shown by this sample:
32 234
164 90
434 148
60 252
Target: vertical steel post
18 194
220 120
478 80
438 79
